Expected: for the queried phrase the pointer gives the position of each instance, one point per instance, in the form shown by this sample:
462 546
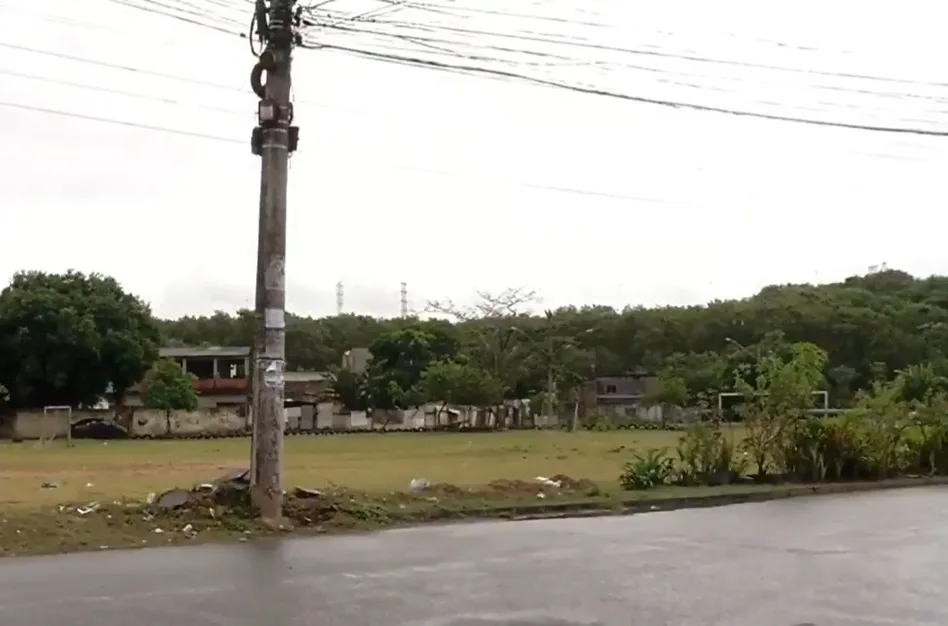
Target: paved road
861 560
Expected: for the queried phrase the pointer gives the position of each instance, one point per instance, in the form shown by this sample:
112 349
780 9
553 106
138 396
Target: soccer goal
57 421
822 395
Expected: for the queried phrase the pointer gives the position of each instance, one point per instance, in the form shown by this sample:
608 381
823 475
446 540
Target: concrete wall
205 401
224 420
32 425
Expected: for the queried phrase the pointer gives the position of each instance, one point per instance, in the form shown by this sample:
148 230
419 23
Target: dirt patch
507 486
583 485
446 489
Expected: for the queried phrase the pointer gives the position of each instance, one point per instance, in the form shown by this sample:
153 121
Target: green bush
707 456
649 469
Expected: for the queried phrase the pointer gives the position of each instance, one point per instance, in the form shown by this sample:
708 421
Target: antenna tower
339 298
404 299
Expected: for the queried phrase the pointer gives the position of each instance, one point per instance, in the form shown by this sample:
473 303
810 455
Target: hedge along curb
563 510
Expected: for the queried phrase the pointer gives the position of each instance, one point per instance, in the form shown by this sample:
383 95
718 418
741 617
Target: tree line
69 338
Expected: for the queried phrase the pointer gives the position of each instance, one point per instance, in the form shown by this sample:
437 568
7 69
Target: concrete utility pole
273 139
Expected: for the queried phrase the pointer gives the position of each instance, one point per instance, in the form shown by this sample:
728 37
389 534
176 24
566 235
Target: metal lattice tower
404 299
339 296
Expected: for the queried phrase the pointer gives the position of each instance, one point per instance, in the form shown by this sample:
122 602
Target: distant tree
460 384
349 389
167 387
667 392
67 338
399 358
920 382
493 336
699 372
871 327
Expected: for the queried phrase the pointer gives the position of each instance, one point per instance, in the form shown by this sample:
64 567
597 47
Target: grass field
363 481
374 463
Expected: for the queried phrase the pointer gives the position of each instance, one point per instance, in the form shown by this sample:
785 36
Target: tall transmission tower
404 299
339 295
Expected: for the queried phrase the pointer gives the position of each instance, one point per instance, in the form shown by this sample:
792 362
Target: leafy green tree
350 389
702 372
870 326
495 334
67 338
918 383
167 387
399 358
776 398
460 384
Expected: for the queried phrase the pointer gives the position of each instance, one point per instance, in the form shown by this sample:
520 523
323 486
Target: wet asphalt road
866 559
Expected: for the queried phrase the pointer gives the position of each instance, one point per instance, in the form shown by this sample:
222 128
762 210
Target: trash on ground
173 499
50 484
418 484
89 508
303 492
543 480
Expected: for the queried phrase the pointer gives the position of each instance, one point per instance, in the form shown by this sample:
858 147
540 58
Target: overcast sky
454 183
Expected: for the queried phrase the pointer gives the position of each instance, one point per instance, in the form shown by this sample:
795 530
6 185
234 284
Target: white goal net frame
50 424
824 396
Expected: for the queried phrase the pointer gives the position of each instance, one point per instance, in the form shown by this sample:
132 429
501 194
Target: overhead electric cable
500 73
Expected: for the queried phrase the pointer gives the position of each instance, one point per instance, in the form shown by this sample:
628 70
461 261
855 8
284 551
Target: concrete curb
646 505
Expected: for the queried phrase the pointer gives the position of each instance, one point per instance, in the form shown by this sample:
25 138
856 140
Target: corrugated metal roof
205 351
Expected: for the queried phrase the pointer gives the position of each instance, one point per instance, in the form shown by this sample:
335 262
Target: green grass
363 478
96 470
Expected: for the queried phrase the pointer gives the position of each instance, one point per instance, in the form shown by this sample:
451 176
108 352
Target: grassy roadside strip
132 524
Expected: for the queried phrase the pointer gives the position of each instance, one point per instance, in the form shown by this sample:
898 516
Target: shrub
652 468
707 456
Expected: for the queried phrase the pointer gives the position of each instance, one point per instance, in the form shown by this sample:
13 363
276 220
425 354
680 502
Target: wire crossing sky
591 151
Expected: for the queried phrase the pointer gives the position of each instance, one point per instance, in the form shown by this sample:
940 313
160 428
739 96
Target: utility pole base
269 505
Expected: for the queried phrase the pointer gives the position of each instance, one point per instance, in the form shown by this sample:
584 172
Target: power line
119 66
655 53
517 76
400 166
183 15
471 69
146 72
105 120
563 61
120 92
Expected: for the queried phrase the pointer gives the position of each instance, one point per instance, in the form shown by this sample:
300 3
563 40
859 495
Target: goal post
823 395
54 417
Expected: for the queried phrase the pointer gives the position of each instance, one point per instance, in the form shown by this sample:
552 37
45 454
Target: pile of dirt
583 485
512 487
447 489
226 501
559 483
